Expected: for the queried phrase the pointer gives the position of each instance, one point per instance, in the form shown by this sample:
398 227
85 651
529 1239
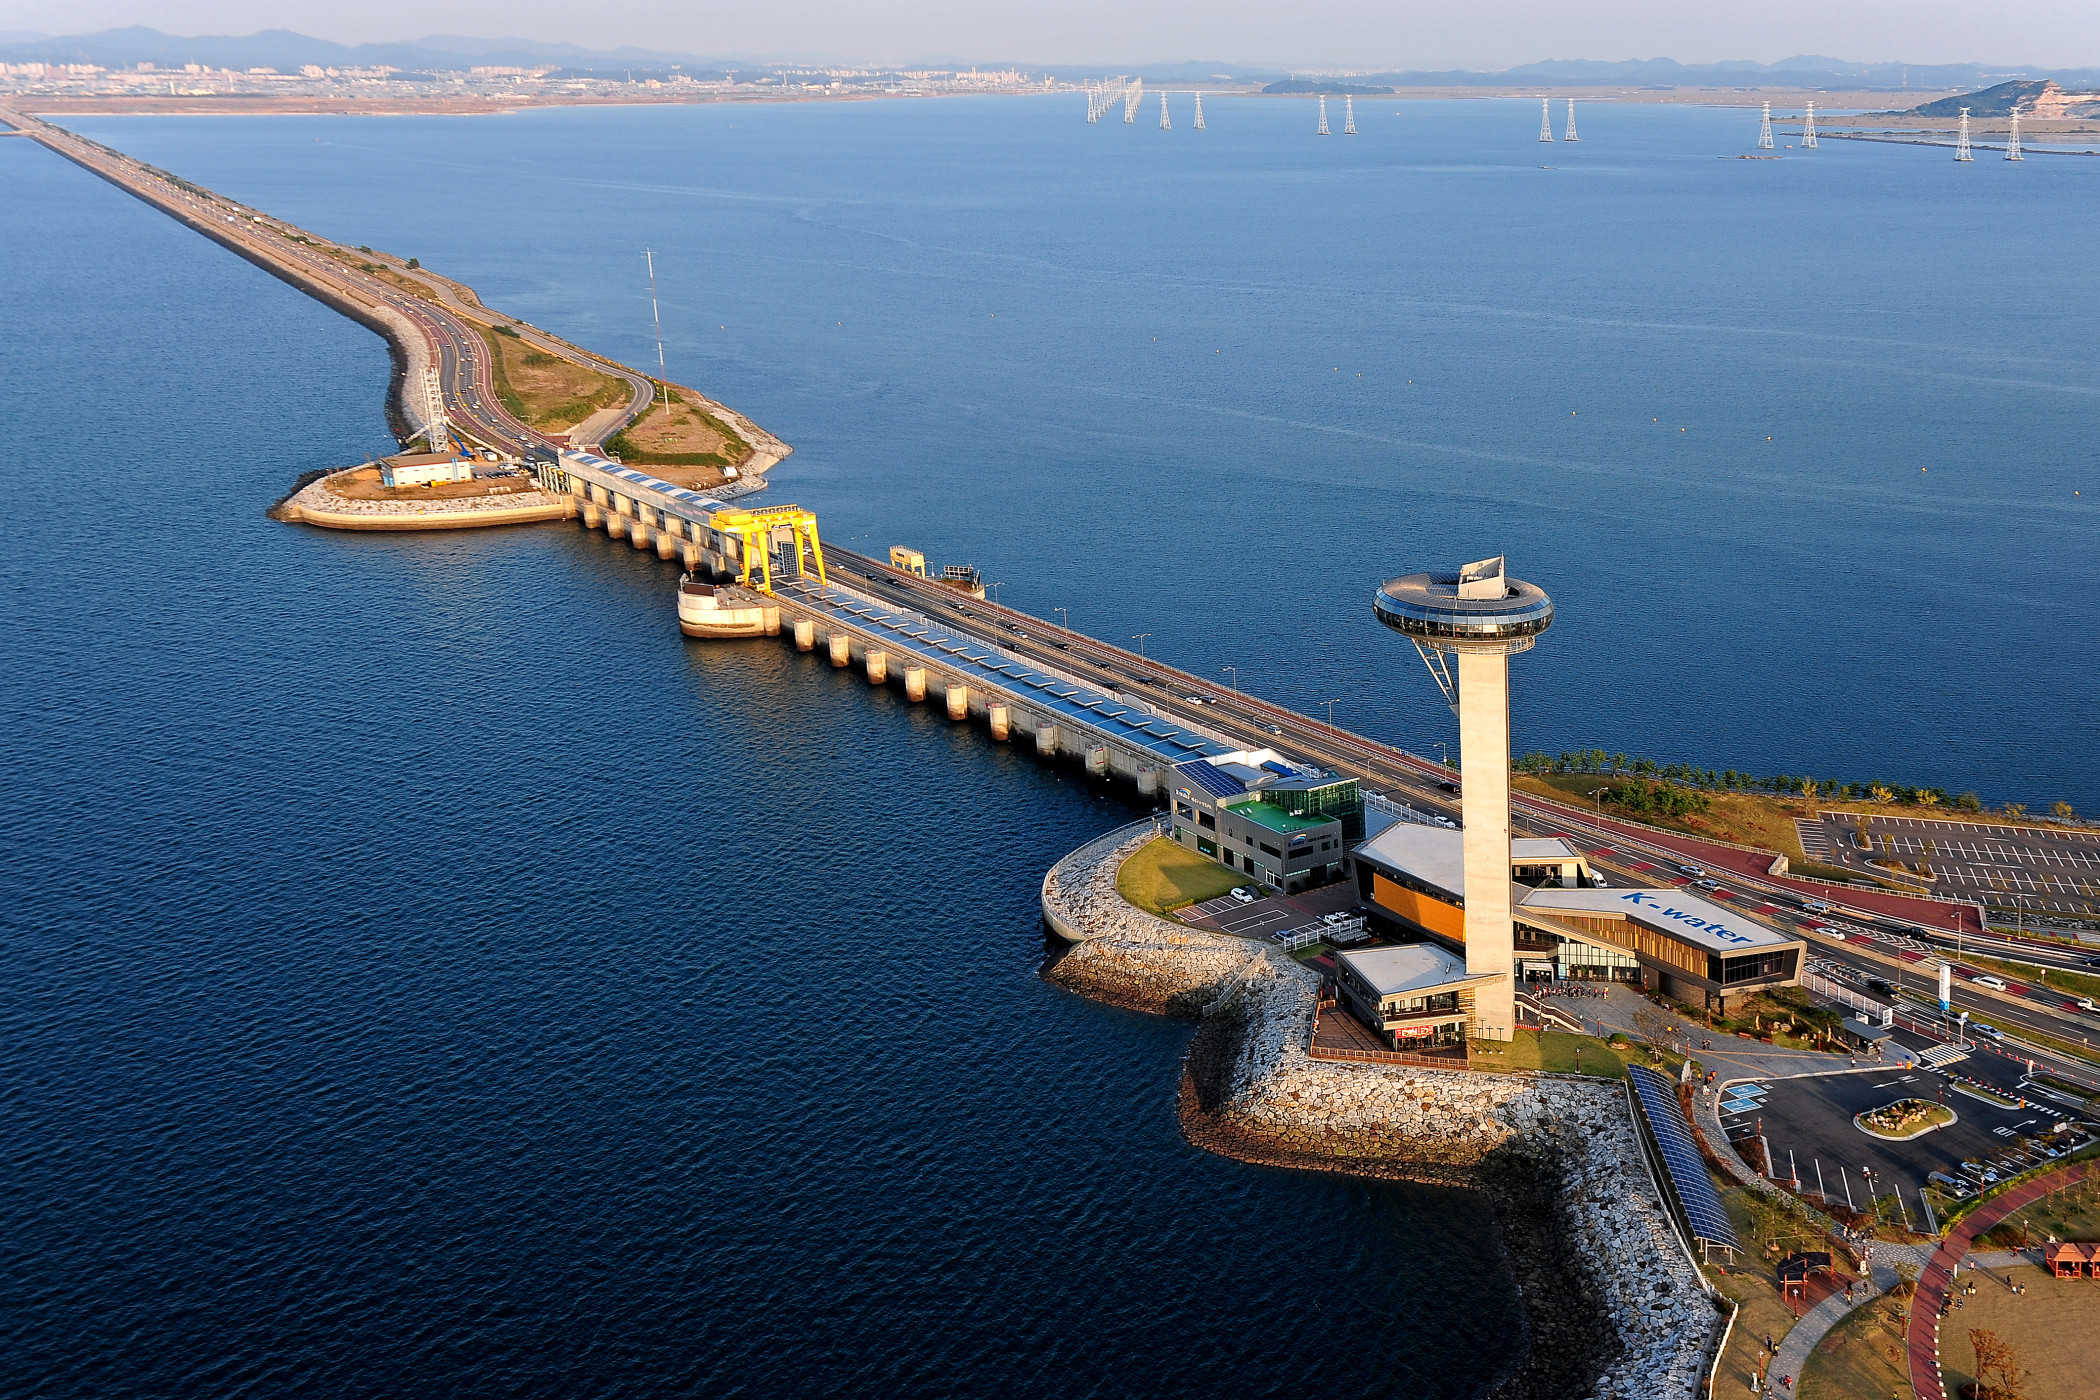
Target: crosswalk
1943 1055
1815 840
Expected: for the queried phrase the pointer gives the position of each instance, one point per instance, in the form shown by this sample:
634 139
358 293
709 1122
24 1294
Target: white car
1815 906
2087 1004
1996 984
1243 895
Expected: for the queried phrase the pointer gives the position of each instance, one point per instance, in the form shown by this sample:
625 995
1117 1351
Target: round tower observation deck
1478 607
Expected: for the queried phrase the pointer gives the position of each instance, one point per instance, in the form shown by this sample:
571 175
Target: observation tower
1481 616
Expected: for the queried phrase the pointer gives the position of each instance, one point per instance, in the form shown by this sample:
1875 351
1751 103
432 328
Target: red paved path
1924 1338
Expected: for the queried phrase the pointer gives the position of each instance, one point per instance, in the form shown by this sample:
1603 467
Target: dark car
1447 786
1875 984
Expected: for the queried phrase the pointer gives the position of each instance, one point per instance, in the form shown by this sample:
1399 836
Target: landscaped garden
1904 1119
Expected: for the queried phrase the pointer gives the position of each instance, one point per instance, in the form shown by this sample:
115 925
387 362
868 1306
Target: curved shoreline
1613 1306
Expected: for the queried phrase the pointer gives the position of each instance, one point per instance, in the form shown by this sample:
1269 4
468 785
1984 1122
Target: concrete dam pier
778 564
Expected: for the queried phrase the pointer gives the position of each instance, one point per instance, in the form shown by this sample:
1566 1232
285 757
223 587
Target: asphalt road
445 320
1621 853
1625 858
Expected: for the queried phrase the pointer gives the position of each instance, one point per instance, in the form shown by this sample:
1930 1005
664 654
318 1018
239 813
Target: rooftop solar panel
1681 1160
1211 780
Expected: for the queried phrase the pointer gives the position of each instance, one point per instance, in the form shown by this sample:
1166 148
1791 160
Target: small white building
425 469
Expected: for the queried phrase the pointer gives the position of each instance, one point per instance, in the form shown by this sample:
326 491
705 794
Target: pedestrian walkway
1937 1277
1795 1347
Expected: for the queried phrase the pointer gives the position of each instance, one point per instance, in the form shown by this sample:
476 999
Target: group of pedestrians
1569 989
1760 1379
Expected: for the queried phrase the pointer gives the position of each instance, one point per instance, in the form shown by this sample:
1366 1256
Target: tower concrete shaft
1479 616
1483 755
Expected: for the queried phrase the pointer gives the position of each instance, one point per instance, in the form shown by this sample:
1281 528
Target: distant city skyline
1335 35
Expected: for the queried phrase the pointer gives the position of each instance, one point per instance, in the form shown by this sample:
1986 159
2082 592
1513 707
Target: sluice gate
776 562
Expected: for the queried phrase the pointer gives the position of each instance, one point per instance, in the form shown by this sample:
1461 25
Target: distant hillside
1996 101
2033 99
1333 89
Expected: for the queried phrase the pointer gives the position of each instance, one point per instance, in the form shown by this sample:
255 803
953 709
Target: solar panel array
1090 709
1681 1160
1212 781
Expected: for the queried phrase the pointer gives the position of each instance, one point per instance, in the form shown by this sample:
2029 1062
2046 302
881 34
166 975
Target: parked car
1243 895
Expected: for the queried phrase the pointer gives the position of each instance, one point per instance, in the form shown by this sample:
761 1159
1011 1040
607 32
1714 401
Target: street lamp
1066 615
1330 704
1235 677
1442 752
1139 638
1597 796
995 587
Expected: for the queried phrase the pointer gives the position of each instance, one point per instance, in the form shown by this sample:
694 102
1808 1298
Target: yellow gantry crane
754 532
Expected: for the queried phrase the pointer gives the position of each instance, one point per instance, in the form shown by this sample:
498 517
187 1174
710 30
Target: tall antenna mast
1199 111
1808 129
2012 139
1961 138
1545 119
1164 124
660 371
1348 115
1571 136
1764 132
1323 117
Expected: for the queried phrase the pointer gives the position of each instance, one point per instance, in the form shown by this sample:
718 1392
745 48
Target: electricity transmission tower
2012 139
1571 136
1961 138
1348 115
1199 111
1808 129
1545 119
1764 133
1323 131
1164 124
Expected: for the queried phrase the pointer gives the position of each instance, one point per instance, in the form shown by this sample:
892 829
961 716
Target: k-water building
1563 925
1517 908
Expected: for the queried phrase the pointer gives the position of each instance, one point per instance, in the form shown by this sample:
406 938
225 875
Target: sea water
429 973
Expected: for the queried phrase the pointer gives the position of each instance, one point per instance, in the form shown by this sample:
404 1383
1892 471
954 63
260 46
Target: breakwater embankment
1614 1305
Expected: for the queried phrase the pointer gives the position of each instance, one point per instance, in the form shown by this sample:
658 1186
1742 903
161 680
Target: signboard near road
1946 988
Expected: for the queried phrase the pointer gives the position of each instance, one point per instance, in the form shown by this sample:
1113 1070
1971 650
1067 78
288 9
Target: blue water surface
427 974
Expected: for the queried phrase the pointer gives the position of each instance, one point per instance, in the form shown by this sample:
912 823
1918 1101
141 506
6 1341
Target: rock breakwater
1614 1305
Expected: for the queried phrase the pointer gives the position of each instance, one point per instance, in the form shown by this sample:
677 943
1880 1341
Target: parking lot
1807 1122
2040 868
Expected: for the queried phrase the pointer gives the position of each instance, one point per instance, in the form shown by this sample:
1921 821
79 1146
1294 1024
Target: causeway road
428 323
1628 855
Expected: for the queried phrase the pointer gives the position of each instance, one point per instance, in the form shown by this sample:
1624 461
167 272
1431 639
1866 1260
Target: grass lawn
2070 1214
2050 1328
1161 876
1861 1359
1754 1281
1555 1052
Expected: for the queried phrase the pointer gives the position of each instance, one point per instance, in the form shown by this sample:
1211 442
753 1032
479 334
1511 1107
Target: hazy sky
1338 33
